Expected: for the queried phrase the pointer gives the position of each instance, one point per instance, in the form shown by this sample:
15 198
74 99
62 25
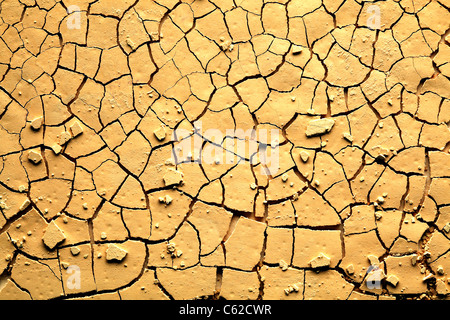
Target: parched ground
237 149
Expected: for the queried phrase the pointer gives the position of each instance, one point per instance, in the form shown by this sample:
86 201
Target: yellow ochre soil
350 100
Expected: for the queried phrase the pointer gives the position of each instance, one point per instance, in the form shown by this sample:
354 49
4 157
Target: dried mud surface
97 97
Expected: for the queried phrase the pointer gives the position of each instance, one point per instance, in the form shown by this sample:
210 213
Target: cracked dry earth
95 206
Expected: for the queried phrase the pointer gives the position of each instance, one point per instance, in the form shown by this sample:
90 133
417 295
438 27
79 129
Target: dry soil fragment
76 129
320 261
392 280
409 160
180 252
173 177
194 179
344 68
83 204
443 221
327 172
64 137
115 253
416 193
434 136
53 236
130 195
361 296
36 123
409 72
304 156
35 156
389 189
160 133
11 202
110 296
412 230
436 246
137 222
56 148
75 251
441 287
319 127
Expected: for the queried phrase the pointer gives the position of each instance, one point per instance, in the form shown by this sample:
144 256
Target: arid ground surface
236 149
